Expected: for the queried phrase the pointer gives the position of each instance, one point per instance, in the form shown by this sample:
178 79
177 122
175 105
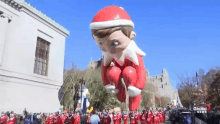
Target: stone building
95 64
161 83
31 58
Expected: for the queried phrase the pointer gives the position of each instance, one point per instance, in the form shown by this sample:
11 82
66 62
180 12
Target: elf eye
114 43
101 43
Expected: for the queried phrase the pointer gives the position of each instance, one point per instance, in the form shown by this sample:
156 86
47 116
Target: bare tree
211 87
188 85
147 100
148 95
184 97
200 88
164 101
213 92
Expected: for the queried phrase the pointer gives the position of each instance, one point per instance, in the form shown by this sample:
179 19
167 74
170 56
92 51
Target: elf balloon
112 29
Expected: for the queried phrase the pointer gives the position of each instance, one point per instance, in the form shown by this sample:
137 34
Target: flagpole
197 78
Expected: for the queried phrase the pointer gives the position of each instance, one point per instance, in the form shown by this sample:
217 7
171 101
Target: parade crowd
144 117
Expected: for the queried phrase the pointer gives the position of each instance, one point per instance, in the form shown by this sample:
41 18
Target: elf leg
134 102
113 76
130 77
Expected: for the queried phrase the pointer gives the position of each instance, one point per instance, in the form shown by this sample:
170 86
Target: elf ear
132 35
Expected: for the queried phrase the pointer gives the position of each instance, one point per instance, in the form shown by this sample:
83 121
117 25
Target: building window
41 57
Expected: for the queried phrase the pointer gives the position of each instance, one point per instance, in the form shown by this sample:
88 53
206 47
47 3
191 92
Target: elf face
114 43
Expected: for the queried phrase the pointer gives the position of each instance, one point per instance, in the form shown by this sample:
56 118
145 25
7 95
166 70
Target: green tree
71 85
99 97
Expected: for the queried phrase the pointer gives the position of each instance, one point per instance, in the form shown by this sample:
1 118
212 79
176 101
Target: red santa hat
111 16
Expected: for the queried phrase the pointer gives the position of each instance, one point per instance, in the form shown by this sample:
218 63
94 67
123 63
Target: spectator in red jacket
160 117
69 119
47 119
143 118
149 117
132 118
164 116
125 118
136 118
51 119
3 118
62 118
119 116
115 118
107 119
101 117
12 119
57 119
77 118
156 118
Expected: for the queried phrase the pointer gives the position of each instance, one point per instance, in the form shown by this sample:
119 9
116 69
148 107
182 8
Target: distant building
163 86
95 64
31 58
161 82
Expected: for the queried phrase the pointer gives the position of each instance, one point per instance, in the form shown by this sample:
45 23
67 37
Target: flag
84 106
197 78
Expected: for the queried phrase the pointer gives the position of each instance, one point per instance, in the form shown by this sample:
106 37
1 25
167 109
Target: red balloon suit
122 58
133 75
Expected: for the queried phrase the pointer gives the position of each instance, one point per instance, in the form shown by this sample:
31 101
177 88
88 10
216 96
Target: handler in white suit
84 95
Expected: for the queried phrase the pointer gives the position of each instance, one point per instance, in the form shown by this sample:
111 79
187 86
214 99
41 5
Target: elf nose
106 48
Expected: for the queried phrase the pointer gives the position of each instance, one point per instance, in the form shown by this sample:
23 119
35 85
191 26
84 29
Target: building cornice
22 5
13 4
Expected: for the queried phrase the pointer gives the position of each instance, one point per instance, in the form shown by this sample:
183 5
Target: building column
3 32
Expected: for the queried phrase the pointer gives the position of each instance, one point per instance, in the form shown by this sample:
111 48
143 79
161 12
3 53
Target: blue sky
179 35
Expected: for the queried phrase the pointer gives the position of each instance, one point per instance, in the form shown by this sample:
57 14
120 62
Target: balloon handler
123 71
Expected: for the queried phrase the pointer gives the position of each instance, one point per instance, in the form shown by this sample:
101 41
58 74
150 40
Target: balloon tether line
127 97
